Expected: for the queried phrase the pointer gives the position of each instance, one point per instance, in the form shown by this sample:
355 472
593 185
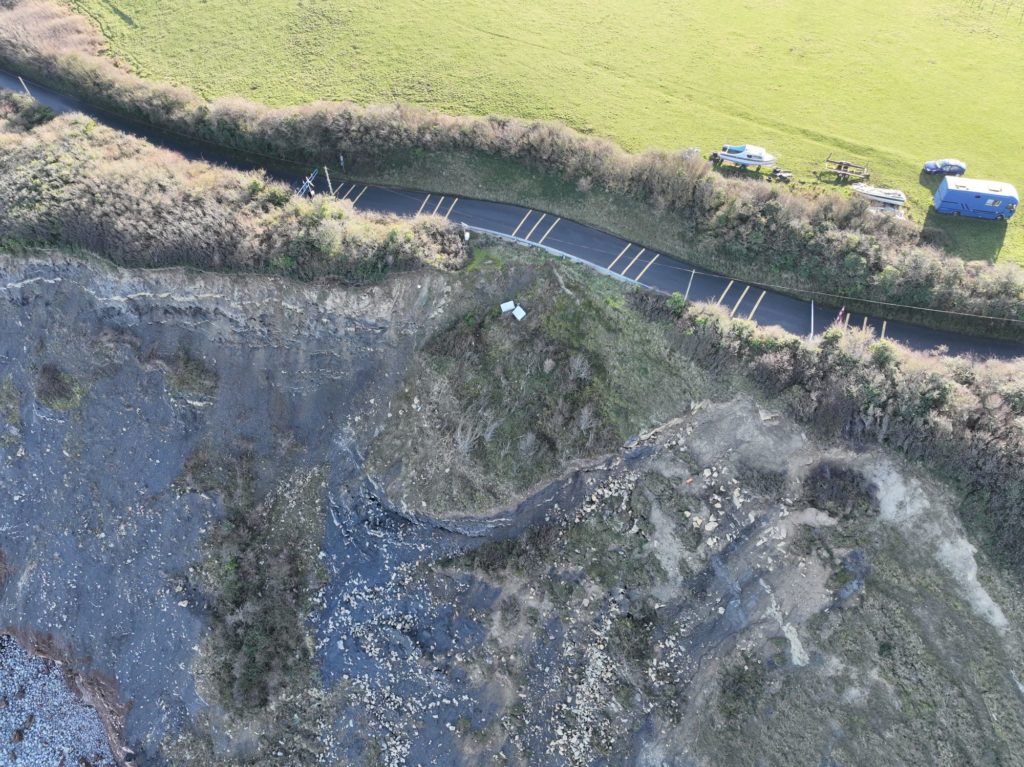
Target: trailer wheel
956 213
1000 217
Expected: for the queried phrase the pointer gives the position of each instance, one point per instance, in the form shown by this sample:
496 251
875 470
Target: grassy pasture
890 84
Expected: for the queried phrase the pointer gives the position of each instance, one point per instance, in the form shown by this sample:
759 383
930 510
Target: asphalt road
613 255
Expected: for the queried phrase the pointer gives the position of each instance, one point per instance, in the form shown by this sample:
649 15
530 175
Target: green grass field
888 83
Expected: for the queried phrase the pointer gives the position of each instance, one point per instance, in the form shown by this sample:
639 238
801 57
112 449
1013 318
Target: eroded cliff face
113 381
230 495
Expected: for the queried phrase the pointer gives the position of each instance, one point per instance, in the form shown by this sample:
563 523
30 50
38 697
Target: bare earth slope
718 589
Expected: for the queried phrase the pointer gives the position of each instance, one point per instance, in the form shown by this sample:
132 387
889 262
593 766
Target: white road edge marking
621 254
721 298
737 306
756 304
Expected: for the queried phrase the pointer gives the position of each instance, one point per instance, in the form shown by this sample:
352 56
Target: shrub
676 304
260 573
21 112
882 354
56 389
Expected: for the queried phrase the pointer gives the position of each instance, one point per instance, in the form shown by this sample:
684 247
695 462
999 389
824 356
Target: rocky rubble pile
42 722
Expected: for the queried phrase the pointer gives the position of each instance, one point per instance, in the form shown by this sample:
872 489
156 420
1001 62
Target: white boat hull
748 163
751 156
879 195
736 159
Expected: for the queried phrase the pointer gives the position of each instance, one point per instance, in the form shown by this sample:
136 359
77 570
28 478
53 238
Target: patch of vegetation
22 112
676 304
632 635
189 374
259 574
962 420
10 411
66 179
918 678
520 554
504 403
741 687
839 578
612 556
57 389
840 490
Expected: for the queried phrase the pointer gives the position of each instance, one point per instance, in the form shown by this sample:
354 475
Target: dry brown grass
71 182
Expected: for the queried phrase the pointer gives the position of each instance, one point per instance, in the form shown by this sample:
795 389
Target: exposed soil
251 476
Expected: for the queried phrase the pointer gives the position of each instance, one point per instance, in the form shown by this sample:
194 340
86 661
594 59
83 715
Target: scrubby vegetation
495 405
259 577
10 415
961 418
189 374
594 363
69 181
56 389
753 230
840 491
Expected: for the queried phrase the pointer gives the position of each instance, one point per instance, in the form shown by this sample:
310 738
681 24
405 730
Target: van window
993 203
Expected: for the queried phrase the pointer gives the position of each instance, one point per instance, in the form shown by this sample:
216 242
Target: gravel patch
42 722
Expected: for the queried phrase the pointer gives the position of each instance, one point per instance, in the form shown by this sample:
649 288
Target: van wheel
1000 217
956 213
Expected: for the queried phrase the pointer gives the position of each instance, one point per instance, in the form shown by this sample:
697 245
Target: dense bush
963 419
259 575
754 230
69 181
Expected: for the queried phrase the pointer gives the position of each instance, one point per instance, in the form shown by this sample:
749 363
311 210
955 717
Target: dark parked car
946 167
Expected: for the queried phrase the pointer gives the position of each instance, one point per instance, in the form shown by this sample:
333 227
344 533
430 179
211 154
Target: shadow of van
972 239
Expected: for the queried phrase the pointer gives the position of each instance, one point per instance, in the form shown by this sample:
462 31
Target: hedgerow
69 181
754 230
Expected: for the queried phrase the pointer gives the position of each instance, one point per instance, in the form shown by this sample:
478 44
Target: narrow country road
620 258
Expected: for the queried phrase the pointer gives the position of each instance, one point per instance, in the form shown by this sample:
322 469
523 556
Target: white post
27 91
812 319
330 187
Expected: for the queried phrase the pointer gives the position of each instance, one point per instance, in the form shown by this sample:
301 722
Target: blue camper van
976 198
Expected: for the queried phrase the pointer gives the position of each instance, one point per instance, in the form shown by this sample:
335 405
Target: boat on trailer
747 155
881 196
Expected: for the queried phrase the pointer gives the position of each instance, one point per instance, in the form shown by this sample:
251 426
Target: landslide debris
492 406
258 520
